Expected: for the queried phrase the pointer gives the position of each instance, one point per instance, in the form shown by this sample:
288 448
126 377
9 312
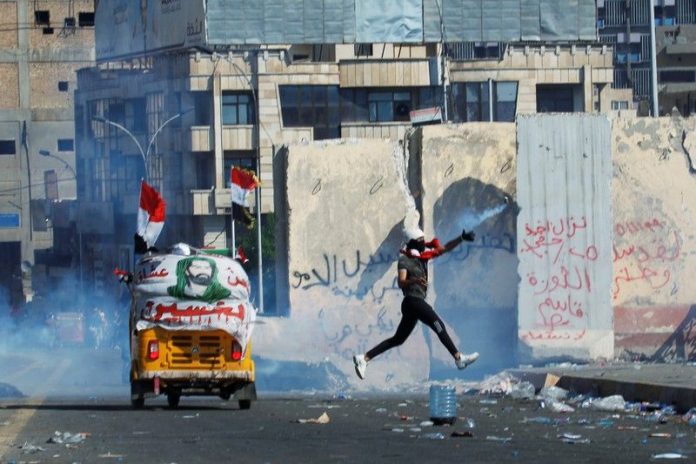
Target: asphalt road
360 430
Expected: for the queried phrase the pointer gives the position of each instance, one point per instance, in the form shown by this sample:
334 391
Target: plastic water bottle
443 405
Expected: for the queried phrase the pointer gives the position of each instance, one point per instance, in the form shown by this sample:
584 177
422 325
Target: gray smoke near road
63 343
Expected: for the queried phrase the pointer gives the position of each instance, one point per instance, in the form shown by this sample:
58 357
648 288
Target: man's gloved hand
468 236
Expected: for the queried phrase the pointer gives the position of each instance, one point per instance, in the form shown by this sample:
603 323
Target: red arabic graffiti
645 255
567 227
173 312
156 274
551 335
574 279
556 291
237 282
636 227
559 312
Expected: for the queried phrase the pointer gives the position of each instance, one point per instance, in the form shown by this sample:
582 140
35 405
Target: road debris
109 455
434 436
573 439
660 435
668 456
28 448
609 403
553 393
67 438
461 434
323 419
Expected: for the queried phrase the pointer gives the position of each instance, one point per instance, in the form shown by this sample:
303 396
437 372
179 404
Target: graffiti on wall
335 273
644 254
560 288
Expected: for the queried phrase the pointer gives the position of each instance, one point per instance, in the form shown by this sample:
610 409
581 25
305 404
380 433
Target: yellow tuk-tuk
190 326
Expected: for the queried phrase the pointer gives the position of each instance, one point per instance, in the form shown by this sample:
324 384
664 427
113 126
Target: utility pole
653 62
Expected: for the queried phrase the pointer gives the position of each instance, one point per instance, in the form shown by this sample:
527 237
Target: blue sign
9 220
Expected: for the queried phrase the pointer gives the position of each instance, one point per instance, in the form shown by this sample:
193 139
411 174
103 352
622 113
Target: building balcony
388 73
238 137
215 202
233 138
201 139
371 130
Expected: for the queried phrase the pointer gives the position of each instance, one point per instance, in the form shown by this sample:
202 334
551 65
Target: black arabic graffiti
377 185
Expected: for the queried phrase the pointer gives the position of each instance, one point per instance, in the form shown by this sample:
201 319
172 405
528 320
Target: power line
24 187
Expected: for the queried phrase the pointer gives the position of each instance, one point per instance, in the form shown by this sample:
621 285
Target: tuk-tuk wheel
173 399
138 402
244 404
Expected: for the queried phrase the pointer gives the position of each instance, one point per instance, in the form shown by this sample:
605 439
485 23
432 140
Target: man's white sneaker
466 359
360 365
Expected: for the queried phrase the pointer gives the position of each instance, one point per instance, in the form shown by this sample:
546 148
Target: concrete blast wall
564 236
654 255
616 281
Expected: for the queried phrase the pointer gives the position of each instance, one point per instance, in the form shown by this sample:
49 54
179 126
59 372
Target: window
85 19
505 101
470 101
69 22
42 17
202 104
7 147
136 114
353 105
62 86
237 108
389 106
47 30
51 184
117 112
204 173
66 145
677 76
487 50
619 105
316 106
555 99
362 49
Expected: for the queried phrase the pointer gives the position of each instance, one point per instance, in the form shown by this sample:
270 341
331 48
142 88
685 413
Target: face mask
416 245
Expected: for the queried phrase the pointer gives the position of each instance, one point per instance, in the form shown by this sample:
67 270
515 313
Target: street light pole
145 154
137 144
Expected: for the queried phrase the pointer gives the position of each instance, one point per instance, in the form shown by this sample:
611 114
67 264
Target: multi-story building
625 25
237 104
42 44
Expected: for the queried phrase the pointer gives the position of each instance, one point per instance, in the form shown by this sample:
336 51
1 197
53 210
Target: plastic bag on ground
523 391
553 393
609 403
559 406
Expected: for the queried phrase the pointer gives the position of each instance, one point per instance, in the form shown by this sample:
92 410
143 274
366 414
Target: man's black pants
414 309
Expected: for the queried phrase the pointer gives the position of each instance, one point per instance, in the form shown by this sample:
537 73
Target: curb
682 398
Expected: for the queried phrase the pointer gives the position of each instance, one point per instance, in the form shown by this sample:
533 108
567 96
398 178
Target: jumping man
413 281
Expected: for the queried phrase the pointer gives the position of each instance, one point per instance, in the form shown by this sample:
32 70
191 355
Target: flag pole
258 238
234 242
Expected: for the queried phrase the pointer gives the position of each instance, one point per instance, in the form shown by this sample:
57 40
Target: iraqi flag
242 181
150 218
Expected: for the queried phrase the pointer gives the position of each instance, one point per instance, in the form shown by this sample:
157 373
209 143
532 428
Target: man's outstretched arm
452 244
